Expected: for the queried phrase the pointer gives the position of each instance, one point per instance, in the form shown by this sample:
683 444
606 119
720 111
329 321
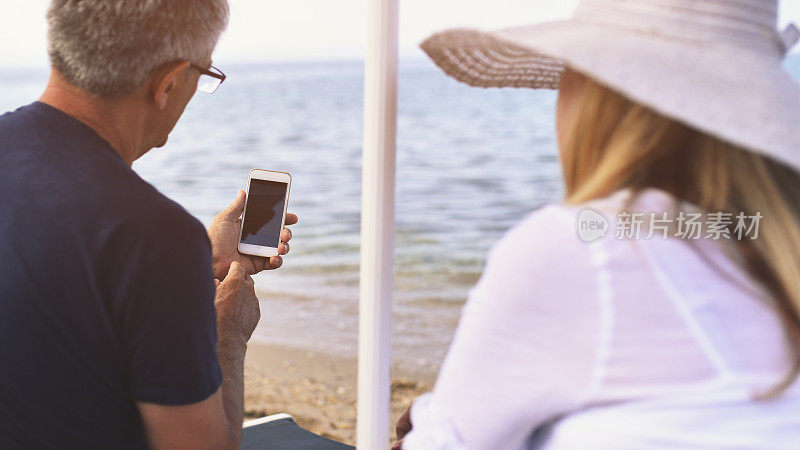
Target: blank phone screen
263 215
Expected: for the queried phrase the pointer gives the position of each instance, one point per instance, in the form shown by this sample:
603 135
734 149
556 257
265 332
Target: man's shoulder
66 172
20 113
140 225
88 175
141 205
32 116
39 142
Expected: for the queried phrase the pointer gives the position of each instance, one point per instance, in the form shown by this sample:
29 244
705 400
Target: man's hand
224 235
237 306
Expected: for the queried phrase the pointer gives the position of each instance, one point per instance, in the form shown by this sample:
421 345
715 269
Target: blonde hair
614 143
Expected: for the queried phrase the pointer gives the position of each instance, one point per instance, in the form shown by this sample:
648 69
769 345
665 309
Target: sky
269 30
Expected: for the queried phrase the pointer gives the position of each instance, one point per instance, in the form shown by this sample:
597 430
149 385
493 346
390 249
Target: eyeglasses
210 79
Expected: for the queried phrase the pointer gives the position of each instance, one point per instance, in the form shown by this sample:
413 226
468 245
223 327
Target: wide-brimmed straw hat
715 65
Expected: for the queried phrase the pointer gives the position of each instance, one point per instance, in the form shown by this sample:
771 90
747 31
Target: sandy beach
317 389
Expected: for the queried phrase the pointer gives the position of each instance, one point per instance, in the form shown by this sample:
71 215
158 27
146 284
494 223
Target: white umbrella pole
377 225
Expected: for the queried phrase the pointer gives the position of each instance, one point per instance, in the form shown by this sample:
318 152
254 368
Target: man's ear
165 80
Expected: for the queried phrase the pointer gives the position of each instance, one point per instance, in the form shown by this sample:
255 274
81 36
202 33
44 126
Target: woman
640 330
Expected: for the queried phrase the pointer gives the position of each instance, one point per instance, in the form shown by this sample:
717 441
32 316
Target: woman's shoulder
561 226
553 230
561 248
563 221
541 257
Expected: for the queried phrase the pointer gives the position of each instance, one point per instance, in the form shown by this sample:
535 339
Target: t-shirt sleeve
525 349
169 324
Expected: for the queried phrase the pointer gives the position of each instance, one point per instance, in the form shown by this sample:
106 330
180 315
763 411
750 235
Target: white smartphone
264 212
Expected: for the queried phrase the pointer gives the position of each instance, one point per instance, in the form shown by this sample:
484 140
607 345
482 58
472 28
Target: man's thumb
234 210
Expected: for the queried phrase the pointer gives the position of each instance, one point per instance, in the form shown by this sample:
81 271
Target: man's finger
291 219
283 248
276 262
286 235
234 210
236 271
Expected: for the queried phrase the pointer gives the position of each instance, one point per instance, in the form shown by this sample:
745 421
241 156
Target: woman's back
637 342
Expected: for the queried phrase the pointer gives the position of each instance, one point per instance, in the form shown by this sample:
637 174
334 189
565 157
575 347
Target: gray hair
108 48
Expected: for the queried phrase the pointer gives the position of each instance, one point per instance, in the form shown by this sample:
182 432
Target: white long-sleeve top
618 343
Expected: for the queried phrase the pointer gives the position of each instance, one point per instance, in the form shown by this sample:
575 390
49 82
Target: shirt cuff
433 429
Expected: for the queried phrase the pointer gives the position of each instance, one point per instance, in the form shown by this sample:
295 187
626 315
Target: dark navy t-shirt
106 291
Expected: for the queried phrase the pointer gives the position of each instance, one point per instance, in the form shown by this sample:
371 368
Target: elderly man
109 333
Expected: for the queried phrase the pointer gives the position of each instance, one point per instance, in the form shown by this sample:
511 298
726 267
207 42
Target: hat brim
741 97
482 59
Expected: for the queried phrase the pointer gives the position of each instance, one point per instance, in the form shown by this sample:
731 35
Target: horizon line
5 66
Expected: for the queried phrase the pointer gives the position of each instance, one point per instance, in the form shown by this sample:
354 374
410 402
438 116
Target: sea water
470 164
